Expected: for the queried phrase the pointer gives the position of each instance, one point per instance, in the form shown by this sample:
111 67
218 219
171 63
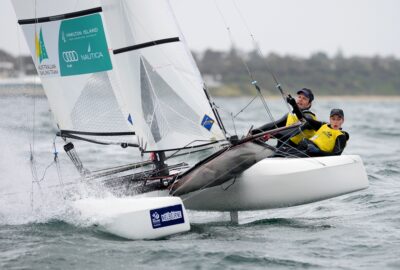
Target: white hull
135 218
270 183
280 182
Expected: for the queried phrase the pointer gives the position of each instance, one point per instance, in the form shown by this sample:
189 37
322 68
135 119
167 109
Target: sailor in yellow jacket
329 139
302 106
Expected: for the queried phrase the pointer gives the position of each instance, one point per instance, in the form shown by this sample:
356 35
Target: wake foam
41 203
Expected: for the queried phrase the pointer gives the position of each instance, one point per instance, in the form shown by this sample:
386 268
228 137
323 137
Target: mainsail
119 67
69 46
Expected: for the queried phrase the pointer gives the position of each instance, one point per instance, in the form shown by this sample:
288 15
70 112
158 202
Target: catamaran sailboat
118 72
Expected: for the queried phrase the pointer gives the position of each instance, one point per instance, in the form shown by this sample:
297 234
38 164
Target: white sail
160 85
118 66
69 46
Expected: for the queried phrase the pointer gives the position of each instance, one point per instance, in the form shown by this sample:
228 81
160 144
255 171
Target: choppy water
355 231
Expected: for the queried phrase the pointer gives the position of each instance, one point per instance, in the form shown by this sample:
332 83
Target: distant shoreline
39 92
355 97
17 91
336 98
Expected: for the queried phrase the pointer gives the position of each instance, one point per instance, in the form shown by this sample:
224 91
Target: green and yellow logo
41 52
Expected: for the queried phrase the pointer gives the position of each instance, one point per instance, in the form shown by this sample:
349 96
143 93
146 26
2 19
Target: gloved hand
291 100
296 109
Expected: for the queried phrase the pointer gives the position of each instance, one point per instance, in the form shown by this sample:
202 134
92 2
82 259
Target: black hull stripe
146 44
72 132
61 16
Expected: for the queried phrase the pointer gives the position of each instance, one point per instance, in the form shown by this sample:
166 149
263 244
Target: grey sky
296 27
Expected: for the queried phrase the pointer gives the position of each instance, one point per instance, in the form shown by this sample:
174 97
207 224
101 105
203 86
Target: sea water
38 229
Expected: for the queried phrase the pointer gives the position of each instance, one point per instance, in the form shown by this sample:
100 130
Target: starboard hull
283 182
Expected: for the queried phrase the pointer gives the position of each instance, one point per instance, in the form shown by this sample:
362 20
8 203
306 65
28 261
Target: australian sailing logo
47 68
41 52
166 216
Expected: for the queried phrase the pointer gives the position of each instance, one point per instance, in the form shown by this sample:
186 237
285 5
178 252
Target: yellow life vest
307 133
325 138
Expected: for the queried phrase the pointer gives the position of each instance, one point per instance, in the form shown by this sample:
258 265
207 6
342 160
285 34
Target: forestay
68 43
160 85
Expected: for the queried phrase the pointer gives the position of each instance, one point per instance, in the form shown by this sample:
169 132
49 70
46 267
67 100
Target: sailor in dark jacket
303 102
329 139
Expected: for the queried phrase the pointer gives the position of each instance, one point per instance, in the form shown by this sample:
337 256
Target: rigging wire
245 107
258 50
228 29
249 72
233 122
33 165
32 144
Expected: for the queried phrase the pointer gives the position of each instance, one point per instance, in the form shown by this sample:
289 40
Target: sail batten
146 44
105 134
61 16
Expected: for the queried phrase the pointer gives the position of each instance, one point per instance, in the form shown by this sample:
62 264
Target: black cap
337 112
307 92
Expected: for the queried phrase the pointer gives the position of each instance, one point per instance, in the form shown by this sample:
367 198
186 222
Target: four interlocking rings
70 56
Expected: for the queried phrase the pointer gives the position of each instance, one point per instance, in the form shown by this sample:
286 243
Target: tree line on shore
226 74
336 75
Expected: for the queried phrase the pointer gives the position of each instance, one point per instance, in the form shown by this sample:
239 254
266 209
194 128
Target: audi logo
70 56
